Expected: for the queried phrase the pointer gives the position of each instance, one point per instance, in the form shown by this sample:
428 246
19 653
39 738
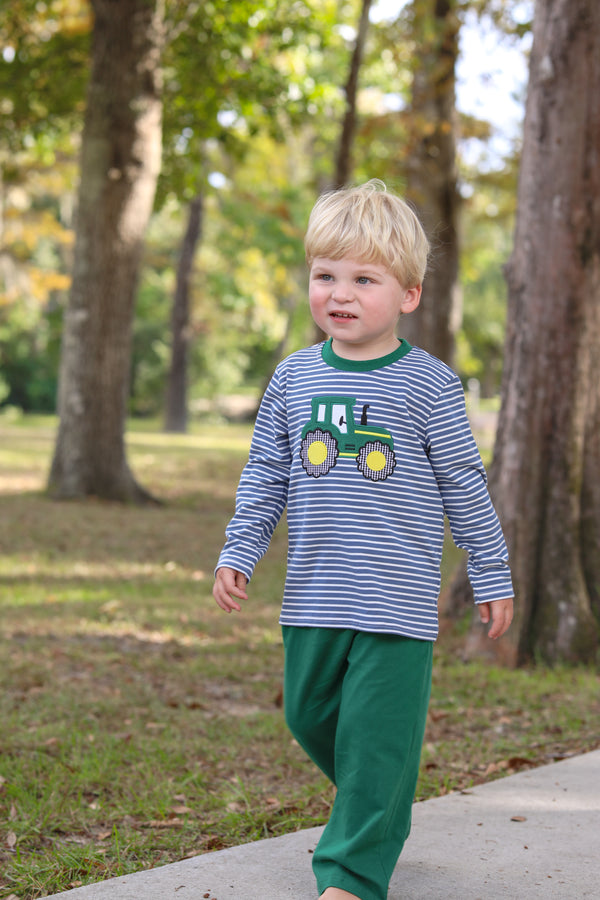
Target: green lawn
140 724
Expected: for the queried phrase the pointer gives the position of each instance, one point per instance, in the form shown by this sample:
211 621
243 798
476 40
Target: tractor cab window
321 412
338 416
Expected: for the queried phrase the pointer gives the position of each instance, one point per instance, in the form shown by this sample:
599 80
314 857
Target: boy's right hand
229 585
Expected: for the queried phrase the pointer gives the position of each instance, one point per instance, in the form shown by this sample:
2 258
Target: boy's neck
360 354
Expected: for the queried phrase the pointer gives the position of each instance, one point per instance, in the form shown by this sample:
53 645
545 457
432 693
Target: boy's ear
412 298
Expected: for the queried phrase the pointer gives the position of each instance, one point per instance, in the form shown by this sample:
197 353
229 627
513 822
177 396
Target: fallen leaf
518 818
11 840
181 810
497 767
519 762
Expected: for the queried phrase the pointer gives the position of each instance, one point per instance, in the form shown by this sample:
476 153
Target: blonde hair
372 224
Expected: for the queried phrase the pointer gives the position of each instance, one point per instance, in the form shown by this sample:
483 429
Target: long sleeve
462 483
365 543
263 488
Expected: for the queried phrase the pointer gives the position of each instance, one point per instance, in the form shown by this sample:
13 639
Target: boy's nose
341 292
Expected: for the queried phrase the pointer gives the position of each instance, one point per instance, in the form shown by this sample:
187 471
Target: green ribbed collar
363 365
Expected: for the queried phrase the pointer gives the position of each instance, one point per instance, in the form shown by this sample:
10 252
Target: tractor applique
333 434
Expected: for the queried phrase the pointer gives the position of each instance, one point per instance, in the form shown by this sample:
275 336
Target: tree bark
120 161
432 174
547 457
343 163
176 412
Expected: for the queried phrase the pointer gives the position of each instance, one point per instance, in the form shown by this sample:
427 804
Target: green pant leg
379 736
315 666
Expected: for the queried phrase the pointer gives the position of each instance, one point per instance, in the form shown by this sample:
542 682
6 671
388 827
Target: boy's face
359 305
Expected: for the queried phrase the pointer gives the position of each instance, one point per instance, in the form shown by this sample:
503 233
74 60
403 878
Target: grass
141 725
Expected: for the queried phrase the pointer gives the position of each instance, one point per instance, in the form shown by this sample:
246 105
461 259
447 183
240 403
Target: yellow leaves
24 238
75 16
29 230
37 285
64 16
44 281
268 283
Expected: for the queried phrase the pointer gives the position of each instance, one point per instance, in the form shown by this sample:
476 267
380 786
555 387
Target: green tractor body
332 434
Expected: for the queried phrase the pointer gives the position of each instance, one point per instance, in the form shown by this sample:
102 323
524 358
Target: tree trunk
120 161
343 163
176 412
432 174
547 458
343 157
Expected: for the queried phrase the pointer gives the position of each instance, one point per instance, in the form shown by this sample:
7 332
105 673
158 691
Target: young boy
366 441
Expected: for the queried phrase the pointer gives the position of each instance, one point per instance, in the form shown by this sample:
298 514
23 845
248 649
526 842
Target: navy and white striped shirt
368 456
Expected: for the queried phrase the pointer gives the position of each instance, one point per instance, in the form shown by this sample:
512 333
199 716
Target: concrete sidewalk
531 835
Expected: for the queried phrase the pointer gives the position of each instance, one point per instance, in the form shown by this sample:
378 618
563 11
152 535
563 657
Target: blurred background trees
265 104
547 456
254 100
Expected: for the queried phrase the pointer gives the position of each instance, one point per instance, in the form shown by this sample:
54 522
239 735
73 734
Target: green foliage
29 355
35 250
43 69
232 69
150 349
253 104
487 243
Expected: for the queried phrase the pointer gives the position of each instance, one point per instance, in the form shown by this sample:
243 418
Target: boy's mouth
341 315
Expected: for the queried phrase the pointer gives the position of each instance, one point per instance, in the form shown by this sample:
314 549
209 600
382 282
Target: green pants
357 703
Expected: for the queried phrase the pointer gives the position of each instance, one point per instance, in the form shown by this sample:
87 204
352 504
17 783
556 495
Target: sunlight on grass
140 724
218 438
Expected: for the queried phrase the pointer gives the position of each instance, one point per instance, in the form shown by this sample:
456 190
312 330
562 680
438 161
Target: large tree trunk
176 412
120 161
432 174
545 476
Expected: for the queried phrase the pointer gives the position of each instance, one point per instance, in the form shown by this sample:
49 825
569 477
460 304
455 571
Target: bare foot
333 893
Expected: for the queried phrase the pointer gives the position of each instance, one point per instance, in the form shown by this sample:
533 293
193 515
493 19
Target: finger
240 579
496 630
484 612
229 588
224 600
240 586
500 621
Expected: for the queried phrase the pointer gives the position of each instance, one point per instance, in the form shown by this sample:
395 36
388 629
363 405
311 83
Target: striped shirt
369 456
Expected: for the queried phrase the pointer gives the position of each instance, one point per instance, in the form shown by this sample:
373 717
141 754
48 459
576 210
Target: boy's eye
325 277
363 279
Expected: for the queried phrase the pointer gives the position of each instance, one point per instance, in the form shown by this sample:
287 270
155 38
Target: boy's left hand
500 612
